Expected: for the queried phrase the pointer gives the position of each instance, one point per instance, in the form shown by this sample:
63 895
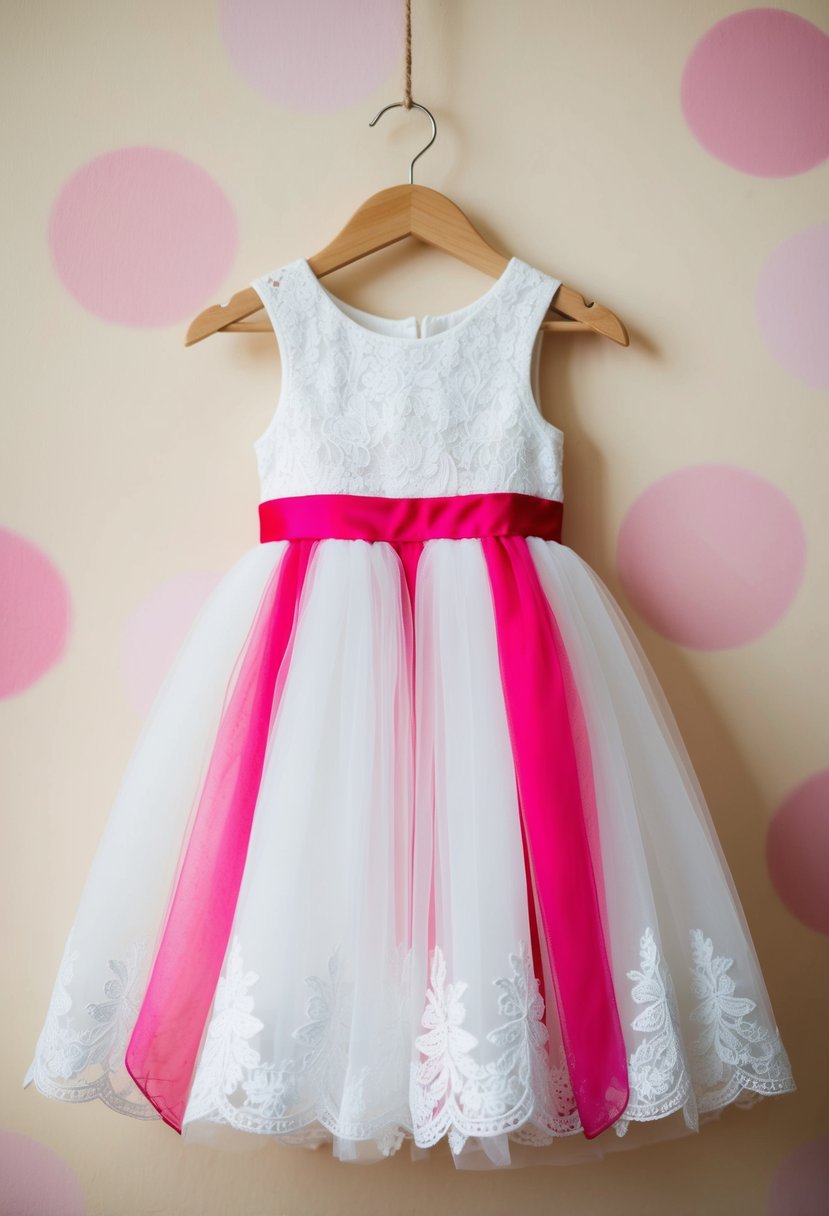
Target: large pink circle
800 1184
797 851
35 612
313 58
156 630
142 236
793 305
35 1181
711 555
755 92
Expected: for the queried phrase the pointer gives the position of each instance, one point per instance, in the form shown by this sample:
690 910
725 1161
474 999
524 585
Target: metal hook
422 150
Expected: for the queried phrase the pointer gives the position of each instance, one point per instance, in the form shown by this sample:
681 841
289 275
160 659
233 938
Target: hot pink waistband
377 517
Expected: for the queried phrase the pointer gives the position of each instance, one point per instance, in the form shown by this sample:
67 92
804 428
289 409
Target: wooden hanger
389 216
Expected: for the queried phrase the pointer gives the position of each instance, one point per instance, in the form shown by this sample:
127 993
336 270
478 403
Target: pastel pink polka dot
711 555
800 1184
156 630
797 851
793 305
755 92
142 236
35 612
35 1181
314 58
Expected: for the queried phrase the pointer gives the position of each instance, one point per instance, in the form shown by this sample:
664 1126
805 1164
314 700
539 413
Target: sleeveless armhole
530 362
266 293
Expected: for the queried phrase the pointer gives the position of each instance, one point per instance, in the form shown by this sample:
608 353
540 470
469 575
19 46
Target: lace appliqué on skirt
524 1092
730 1053
731 1060
77 1063
452 1093
319 1067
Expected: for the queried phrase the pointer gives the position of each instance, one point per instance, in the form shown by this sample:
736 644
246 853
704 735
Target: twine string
407 87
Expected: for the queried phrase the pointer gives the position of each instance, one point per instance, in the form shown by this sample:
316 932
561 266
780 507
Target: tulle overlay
336 905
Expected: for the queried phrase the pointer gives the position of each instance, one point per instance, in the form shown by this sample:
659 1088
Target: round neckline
467 312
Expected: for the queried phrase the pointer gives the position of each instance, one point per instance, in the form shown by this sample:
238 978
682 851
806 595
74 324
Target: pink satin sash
553 778
537 681
162 1051
374 517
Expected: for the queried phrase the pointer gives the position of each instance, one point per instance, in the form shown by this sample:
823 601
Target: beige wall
128 463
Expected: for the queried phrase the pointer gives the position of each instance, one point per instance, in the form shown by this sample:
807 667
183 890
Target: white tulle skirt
329 1025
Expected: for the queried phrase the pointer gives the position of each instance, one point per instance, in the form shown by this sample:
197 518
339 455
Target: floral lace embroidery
730 1053
732 1060
451 1091
657 1073
66 1052
525 1093
360 414
229 1062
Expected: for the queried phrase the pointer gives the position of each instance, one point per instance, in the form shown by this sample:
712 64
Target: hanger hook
422 150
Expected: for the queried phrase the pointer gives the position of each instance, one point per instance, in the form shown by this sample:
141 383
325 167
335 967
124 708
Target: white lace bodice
376 405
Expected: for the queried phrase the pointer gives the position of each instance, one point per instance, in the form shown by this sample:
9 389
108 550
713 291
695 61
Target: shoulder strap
278 292
534 299
271 289
529 301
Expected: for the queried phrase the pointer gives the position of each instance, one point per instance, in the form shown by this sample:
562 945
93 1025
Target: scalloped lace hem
389 1138
102 1090
522 1094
